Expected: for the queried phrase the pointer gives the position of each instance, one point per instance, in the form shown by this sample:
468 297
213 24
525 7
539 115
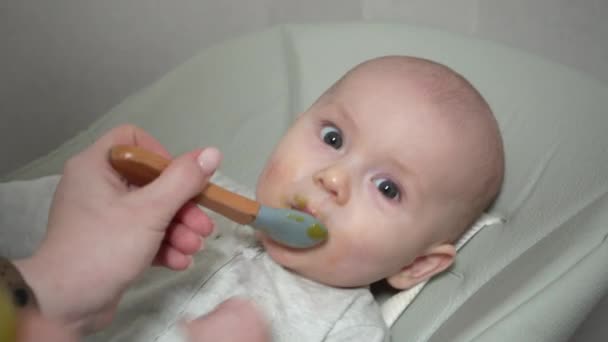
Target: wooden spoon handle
141 167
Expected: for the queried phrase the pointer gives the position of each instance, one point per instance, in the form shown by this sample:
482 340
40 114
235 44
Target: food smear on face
317 232
300 202
295 217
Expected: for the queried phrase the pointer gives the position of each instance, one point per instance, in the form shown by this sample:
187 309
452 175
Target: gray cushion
533 278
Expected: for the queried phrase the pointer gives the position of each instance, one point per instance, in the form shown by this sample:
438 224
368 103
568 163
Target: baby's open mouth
319 217
301 204
304 210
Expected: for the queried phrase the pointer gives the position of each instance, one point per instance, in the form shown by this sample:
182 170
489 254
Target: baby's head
396 159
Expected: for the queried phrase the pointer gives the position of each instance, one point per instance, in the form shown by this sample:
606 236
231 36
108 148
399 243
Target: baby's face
371 162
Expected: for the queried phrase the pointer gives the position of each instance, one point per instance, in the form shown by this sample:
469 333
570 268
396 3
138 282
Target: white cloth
24 210
396 304
25 205
232 264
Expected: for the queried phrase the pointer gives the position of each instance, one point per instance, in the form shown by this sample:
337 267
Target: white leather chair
533 278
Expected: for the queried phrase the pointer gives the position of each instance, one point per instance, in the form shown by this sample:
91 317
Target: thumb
183 179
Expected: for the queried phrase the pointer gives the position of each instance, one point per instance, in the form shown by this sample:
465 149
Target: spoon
287 226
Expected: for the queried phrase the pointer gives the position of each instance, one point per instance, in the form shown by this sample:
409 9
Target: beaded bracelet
23 296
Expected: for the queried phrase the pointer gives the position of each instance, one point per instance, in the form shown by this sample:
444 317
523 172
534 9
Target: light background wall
65 62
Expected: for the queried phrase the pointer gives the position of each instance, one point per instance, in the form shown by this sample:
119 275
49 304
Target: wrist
17 284
55 300
46 288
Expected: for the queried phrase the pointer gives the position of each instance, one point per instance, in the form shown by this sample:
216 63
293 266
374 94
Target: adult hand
33 327
235 320
102 233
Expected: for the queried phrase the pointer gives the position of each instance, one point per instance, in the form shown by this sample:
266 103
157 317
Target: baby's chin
279 252
294 259
299 260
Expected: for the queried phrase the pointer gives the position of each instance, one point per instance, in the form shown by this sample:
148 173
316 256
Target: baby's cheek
278 173
270 171
265 181
344 250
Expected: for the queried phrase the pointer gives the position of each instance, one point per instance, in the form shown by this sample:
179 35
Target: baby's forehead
410 91
428 87
384 85
428 77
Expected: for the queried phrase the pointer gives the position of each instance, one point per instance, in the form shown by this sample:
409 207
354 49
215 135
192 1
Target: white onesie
233 264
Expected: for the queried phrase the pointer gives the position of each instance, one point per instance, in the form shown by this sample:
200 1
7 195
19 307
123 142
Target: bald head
475 179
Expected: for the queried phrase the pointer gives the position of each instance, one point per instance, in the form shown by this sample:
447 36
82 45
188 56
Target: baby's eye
331 136
388 188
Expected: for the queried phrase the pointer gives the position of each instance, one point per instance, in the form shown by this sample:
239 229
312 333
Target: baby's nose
336 182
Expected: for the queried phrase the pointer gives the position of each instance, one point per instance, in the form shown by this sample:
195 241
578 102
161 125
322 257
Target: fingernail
209 160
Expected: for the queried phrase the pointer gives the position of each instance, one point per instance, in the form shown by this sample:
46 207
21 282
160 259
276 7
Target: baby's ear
424 267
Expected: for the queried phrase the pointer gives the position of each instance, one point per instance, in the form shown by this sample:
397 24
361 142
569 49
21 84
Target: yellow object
8 321
317 232
301 202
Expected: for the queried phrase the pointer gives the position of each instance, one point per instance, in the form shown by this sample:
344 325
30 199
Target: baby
397 159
